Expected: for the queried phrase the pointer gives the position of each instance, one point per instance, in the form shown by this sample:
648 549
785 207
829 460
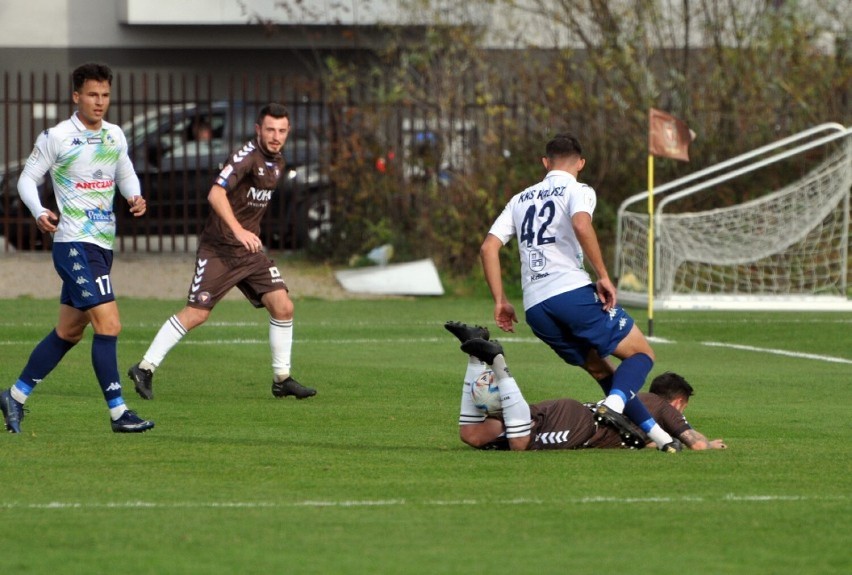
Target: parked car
177 150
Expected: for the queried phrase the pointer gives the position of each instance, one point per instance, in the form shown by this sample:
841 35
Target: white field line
521 340
783 352
70 505
323 341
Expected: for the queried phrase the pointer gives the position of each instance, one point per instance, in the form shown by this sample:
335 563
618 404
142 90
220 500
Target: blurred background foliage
437 129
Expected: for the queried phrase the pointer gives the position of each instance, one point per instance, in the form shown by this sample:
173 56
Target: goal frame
818 136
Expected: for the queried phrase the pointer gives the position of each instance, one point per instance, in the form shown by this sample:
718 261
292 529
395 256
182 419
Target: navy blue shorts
84 269
574 322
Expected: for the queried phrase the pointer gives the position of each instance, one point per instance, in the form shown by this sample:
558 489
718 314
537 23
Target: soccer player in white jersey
577 318
86 157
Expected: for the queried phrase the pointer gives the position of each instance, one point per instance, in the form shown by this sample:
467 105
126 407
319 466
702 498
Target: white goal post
787 249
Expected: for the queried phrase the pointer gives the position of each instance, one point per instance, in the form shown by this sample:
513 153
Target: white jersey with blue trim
84 166
540 219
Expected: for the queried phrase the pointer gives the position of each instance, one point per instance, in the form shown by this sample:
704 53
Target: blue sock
46 356
105 362
636 411
630 376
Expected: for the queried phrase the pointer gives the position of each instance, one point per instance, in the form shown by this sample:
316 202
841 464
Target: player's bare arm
504 312
481 434
585 232
218 198
696 440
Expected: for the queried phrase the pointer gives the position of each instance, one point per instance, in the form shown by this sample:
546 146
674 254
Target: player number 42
528 232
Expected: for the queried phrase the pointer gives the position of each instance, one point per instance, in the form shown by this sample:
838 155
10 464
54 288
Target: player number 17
104 285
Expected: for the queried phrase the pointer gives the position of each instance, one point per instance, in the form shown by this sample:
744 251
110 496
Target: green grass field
370 477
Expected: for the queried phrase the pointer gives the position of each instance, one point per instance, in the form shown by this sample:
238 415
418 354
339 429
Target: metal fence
409 146
161 116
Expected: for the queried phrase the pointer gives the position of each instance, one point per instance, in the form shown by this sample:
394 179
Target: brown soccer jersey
250 177
569 424
561 424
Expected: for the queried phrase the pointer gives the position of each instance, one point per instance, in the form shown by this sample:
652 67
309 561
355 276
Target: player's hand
47 221
504 315
249 240
718 444
138 205
607 293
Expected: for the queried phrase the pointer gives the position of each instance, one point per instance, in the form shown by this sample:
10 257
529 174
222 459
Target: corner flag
668 137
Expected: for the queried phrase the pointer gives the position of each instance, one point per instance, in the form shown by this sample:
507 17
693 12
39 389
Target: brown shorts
254 275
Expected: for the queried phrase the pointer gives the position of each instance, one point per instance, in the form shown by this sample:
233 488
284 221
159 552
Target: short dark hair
670 386
90 71
273 109
563 145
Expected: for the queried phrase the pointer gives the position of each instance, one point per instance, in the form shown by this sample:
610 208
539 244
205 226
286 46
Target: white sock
659 436
169 336
18 395
474 369
281 343
516 410
468 412
614 402
117 411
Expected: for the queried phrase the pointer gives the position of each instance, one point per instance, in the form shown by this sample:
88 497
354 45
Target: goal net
787 249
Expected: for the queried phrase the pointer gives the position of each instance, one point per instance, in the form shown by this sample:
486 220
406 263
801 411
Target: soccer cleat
636 439
674 446
144 381
292 387
129 422
465 332
482 349
13 412
624 426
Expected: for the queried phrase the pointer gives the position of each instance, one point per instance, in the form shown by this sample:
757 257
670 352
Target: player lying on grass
557 423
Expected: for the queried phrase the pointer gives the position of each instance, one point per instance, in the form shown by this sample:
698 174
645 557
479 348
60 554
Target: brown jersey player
230 254
559 423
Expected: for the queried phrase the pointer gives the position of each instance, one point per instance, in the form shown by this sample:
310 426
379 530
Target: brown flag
668 137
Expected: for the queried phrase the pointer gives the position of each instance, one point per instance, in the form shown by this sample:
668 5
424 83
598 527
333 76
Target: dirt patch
161 276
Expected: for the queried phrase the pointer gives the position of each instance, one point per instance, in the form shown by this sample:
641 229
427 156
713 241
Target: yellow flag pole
650 245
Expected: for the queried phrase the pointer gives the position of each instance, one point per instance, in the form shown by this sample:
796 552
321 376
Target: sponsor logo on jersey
99 215
539 276
76 142
34 156
260 171
100 185
537 260
95 140
226 172
256 195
